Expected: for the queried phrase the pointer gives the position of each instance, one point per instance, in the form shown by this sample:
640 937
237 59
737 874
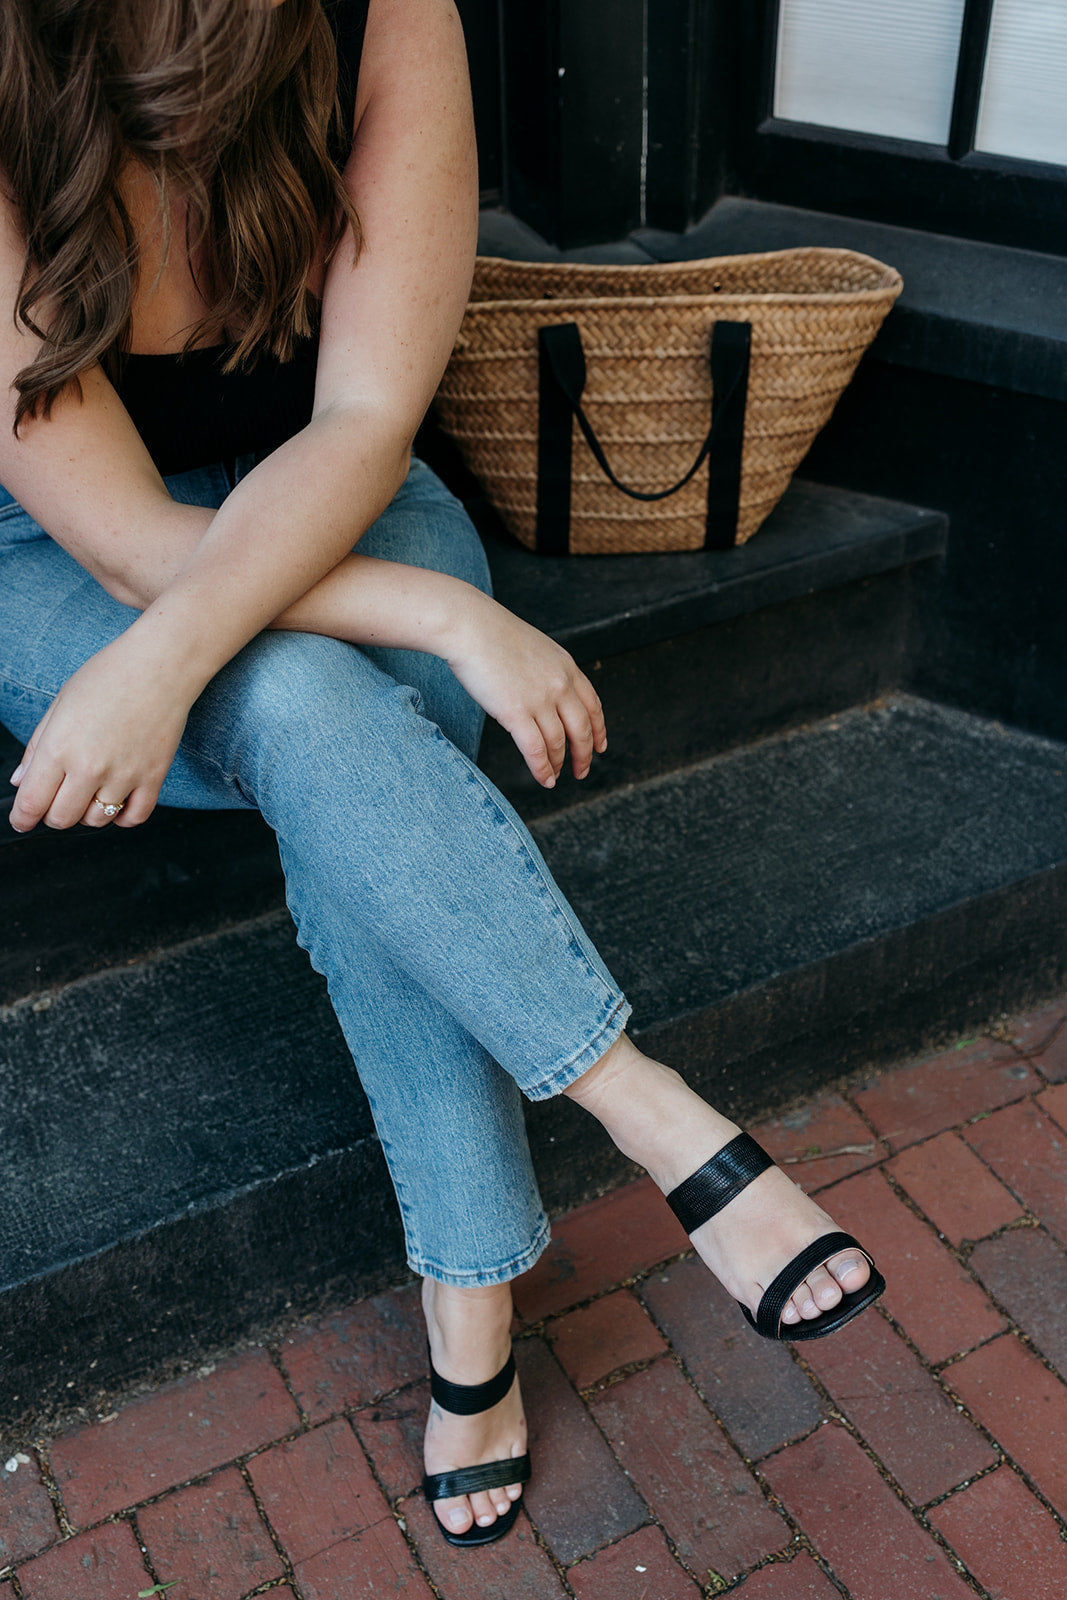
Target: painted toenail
846 1266
456 1518
486 1522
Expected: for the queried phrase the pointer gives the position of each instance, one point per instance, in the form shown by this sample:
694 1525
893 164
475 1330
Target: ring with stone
110 808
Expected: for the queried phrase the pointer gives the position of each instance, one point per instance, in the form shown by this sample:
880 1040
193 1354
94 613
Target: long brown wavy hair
229 102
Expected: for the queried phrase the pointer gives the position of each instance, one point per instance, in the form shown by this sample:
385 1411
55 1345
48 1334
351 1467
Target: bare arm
276 552
388 326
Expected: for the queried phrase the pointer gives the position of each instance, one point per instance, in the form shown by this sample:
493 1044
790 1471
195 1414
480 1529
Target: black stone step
697 652
187 1151
816 539
811 615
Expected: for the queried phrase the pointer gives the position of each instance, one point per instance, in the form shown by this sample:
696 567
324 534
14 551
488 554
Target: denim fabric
415 888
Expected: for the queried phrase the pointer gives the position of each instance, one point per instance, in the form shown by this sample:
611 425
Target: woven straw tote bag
610 409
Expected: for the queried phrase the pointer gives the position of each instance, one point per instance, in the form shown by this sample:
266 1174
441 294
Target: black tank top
190 413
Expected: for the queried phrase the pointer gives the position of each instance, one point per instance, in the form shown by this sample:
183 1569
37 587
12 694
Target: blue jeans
458 972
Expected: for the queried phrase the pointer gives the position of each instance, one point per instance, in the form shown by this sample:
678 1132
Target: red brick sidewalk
921 1454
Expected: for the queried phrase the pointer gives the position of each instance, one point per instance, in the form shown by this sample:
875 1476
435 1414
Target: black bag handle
561 385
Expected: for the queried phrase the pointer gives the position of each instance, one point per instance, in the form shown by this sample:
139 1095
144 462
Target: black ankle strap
704 1193
467 1399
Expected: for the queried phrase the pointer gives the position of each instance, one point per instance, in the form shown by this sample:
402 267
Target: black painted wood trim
977 195
970 70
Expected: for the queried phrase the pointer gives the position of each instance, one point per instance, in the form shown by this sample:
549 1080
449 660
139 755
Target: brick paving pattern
920 1454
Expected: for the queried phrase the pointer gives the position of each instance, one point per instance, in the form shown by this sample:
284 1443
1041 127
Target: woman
297 618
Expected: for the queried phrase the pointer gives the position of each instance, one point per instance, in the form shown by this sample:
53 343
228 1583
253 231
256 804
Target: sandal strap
769 1311
711 1187
473 1480
468 1399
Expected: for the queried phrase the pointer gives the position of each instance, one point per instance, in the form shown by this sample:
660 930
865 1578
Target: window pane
876 66
1023 110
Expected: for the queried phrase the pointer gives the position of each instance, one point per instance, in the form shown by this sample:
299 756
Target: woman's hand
530 685
111 733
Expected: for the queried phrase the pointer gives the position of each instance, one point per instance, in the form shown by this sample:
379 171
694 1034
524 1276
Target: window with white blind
970 75
873 66
1022 111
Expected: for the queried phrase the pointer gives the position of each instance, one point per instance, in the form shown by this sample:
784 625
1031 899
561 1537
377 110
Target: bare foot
656 1119
470 1341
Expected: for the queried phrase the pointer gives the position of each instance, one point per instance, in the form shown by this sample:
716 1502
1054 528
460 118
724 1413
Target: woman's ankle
651 1113
469 1329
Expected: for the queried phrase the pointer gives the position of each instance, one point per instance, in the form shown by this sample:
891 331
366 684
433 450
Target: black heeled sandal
467 1400
704 1194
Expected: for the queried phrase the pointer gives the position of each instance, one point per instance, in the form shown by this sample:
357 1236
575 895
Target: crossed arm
277 554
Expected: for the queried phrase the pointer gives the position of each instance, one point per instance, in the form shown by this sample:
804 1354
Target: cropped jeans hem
486 1277
588 1056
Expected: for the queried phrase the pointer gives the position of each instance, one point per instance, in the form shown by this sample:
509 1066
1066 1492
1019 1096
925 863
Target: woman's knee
300 701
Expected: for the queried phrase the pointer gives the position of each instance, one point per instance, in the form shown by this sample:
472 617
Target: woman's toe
485 1508
819 1292
850 1269
456 1515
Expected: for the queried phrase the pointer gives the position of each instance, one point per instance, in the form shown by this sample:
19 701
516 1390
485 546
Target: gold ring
110 808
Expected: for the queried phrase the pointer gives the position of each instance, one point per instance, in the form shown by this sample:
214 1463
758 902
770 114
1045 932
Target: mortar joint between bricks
847 1091
261 1511
619 1374
131 1519
755 1463
958 1252
561 1571
51 1486
395 1502
266 1588
941 1368
916 1210
1008 1461
1004 1458
672 1355
1020 1333
974 1477
775 1558
875 1460
632 1282
954 1561
967 1247
396 1507
273 1349
1056 1514
236 1462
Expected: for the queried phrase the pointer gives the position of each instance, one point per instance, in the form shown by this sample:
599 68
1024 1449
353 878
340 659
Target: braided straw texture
646 331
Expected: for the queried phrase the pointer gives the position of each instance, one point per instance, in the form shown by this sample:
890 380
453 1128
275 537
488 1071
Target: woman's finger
579 729
31 750
105 807
37 790
139 807
530 744
591 701
554 734
72 802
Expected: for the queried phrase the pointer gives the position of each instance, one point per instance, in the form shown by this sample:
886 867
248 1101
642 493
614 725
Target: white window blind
1023 109
875 66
